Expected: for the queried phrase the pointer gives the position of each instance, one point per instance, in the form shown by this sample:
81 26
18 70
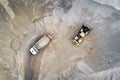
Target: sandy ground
96 50
58 52
27 21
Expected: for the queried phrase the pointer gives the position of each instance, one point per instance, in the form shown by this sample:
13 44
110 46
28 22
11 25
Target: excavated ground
27 21
100 50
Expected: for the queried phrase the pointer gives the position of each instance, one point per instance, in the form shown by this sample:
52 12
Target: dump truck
41 43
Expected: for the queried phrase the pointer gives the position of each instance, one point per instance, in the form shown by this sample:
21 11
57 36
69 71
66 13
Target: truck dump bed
42 42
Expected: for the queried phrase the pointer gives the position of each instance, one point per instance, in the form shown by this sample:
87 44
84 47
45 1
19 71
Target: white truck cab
40 44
